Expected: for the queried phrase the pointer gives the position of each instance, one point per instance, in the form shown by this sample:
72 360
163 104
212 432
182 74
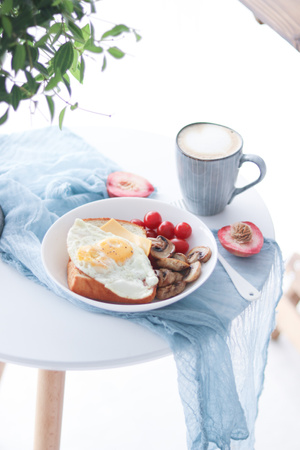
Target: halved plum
241 239
125 184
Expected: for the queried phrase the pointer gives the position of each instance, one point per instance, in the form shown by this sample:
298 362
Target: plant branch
47 45
81 109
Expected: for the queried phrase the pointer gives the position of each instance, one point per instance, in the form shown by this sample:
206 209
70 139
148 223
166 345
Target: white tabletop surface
39 329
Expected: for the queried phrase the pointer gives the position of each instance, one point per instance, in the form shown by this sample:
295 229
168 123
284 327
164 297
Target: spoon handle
246 290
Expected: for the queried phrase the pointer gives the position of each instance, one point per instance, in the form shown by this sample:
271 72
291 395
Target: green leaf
66 77
55 28
116 52
6 6
42 69
104 63
47 49
42 40
16 96
75 70
86 31
115 31
7 26
63 58
31 83
32 55
61 117
91 47
4 118
75 61
2 84
55 39
76 73
137 36
82 69
76 31
73 107
51 107
5 97
92 31
68 4
53 82
19 57
66 81
27 92
93 9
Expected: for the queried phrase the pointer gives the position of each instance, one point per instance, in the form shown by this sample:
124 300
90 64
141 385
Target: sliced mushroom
169 291
180 256
193 273
172 264
199 254
166 277
162 247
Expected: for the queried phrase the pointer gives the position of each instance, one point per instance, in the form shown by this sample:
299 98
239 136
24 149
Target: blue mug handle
263 170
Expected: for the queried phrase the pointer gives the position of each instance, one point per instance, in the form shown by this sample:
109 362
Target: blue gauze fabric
219 340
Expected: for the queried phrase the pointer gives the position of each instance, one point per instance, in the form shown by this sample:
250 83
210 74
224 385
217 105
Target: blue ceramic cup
208 158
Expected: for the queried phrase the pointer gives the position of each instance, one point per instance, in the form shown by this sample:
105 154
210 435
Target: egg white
133 278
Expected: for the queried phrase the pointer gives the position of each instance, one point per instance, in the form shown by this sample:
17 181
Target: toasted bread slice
86 286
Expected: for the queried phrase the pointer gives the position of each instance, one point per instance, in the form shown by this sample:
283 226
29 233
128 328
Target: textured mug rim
211 159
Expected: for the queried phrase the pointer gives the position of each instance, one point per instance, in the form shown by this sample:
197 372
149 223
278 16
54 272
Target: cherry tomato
183 230
152 219
166 229
138 222
151 233
181 245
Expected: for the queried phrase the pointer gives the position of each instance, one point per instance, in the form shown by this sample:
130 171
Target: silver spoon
244 288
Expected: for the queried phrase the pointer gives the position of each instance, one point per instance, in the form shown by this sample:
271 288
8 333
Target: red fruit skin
152 219
183 230
243 250
181 245
125 184
166 229
151 233
138 222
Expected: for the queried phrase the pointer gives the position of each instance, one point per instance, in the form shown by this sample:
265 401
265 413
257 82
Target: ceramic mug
208 158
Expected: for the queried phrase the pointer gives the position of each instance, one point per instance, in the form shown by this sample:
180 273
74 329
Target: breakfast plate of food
129 254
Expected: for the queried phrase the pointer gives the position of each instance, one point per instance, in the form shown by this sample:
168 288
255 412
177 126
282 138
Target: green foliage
46 42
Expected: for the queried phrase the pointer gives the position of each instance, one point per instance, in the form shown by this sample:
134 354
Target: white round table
39 329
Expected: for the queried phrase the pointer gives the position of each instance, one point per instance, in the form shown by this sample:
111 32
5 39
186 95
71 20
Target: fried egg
114 261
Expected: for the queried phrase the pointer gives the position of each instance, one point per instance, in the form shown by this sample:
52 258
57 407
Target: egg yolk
100 253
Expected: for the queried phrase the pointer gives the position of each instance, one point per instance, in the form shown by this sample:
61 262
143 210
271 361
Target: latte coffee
208 141
208 159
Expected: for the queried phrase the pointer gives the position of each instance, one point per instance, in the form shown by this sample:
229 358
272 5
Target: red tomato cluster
156 226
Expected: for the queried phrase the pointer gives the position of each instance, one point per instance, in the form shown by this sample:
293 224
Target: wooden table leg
49 408
288 320
2 366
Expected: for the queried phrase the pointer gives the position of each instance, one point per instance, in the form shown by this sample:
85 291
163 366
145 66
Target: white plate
55 256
